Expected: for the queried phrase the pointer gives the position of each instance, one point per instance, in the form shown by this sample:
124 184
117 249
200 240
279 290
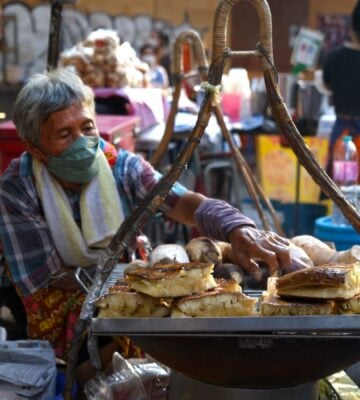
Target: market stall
252 352
221 338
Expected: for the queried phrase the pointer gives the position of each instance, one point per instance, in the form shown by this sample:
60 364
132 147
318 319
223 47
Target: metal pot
287 88
309 101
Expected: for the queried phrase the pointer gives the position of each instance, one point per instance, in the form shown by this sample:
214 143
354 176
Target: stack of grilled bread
176 290
332 288
171 287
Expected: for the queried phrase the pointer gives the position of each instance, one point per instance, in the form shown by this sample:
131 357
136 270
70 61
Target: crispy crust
164 271
228 285
217 302
172 280
122 302
329 281
350 306
271 304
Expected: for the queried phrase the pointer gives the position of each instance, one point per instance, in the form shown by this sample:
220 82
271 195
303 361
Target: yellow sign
278 165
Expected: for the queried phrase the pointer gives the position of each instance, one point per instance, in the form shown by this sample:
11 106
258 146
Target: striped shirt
24 233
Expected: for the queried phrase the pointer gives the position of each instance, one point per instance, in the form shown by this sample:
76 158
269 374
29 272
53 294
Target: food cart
263 353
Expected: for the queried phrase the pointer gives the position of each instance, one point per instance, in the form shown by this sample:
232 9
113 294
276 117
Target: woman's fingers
248 265
250 244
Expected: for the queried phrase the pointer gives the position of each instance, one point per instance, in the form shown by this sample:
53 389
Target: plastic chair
230 179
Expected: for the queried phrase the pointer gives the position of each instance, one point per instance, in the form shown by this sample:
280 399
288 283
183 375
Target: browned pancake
121 301
329 281
227 285
214 303
119 286
271 304
172 280
166 271
350 306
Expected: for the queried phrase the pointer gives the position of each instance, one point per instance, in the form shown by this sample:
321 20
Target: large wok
245 352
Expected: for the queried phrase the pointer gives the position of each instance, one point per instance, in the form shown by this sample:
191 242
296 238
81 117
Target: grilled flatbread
329 281
228 285
226 300
271 305
350 306
121 301
172 280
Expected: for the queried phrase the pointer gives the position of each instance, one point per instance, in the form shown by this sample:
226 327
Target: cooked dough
271 304
330 281
204 249
121 301
350 306
172 280
228 285
321 253
219 302
168 253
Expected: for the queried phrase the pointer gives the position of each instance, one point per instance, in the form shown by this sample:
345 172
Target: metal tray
340 326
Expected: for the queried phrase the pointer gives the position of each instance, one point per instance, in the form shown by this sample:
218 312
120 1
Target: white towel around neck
100 209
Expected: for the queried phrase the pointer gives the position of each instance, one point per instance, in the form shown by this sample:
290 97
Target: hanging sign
307 48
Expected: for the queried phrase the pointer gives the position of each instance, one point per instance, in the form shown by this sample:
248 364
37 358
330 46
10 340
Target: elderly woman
62 201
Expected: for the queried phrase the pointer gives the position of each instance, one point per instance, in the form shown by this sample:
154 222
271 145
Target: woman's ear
34 151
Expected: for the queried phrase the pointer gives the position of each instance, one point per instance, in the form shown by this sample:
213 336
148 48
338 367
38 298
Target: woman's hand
250 244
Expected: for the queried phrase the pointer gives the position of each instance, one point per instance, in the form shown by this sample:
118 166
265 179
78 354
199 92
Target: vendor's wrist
235 230
217 218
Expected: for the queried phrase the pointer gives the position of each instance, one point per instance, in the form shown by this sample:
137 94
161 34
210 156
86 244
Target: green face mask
79 162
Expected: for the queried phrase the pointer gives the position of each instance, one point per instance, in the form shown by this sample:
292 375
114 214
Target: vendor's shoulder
129 156
18 167
17 182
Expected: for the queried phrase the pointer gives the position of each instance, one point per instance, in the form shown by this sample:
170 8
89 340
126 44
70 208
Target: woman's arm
218 219
185 207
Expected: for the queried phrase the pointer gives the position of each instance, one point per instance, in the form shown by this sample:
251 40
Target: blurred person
161 41
341 76
158 75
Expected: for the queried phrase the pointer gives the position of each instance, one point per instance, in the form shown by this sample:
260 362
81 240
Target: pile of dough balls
101 61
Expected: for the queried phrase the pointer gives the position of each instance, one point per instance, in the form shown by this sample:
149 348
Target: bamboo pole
253 188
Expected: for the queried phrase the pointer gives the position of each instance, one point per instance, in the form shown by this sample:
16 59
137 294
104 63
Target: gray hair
44 94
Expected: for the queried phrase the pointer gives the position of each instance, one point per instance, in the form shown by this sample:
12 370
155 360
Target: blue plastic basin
343 236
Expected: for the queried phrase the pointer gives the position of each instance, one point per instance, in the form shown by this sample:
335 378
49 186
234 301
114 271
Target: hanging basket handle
255 191
280 112
178 77
221 28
